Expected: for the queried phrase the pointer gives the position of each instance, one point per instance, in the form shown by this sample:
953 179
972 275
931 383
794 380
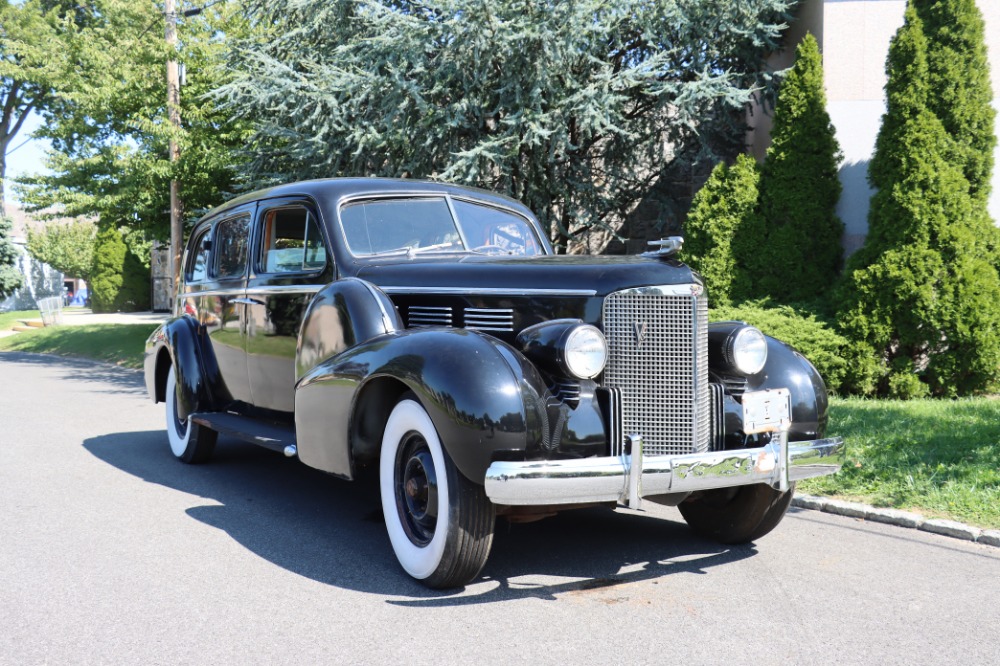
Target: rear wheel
189 441
737 515
440 524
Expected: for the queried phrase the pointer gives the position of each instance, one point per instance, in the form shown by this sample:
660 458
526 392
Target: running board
270 435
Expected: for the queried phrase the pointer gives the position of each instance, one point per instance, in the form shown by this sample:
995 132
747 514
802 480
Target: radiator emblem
639 328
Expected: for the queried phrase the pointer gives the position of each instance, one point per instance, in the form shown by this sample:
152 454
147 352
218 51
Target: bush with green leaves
106 275
919 300
721 229
799 189
809 335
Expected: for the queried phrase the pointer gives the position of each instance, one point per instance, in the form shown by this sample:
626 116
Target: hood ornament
668 247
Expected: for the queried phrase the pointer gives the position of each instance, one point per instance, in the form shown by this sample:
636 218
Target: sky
27 158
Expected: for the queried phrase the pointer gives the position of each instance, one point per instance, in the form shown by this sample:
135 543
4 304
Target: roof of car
328 192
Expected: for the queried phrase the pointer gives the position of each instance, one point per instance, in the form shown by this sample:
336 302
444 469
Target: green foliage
799 189
10 277
959 85
33 55
68 248
109 261
812 337
135 294
920 298
108 124
721 229
572 107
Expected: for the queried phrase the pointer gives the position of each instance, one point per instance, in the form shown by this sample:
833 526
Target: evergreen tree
722 227
572 107
799 189
10 277
109 263
959 84
919 299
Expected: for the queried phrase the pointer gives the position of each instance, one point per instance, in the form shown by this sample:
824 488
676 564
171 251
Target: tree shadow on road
331 531
113 380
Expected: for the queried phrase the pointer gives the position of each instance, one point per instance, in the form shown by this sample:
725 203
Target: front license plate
766 411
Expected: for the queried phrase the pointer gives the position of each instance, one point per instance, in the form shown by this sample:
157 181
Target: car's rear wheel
737 515
189 441
440 524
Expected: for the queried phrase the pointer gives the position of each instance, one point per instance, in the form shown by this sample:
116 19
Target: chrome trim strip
607 479
491 291
273 289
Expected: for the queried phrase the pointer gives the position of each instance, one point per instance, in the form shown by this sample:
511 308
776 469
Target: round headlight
585 352
749 351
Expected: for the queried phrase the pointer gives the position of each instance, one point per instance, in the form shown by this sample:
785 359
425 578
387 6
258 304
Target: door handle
248 301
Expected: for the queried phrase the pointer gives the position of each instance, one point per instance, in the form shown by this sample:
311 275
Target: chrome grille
658 358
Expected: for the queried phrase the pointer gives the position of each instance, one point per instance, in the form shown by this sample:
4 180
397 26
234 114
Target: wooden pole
174 116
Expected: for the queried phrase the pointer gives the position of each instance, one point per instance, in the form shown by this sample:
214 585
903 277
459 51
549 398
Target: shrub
720 223
920 298
799 189
109 260
813 338
10 277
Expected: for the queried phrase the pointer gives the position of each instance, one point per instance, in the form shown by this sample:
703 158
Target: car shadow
331 531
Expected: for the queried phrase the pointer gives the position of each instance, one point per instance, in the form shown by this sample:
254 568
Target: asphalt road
113 552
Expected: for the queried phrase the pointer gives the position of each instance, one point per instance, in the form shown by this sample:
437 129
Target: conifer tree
721 224
919 299
799 189
960 94
575 108
109 262
10 277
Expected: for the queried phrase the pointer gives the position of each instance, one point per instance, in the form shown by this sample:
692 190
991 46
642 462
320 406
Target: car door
291 262
215 293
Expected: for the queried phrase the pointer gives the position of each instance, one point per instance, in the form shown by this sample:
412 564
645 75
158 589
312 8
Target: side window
197 264
292 242
230 246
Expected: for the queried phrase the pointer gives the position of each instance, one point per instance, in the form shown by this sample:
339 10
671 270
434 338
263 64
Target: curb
898 518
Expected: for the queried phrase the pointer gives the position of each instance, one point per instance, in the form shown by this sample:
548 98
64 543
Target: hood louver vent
490 319
420 315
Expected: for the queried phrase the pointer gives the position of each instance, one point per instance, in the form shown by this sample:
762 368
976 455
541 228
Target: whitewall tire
439 523
189 441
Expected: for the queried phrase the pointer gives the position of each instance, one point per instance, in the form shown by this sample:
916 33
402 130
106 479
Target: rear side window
197 265
292 242
230 246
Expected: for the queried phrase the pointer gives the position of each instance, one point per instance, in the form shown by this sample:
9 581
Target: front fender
485 399
787 368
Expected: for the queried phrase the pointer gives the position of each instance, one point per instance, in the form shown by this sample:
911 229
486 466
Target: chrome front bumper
630 477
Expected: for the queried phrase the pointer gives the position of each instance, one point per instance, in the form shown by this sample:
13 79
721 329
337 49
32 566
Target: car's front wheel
189 441
440 524
736 515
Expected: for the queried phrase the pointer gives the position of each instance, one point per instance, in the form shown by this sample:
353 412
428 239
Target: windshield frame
532 225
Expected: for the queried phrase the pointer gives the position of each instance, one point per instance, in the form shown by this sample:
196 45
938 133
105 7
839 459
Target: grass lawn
940 458
8 320
121 344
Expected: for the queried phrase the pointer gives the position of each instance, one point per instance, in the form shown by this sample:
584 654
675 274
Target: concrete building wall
854 37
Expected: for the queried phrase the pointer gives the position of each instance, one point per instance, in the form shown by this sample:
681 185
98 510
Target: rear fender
178 344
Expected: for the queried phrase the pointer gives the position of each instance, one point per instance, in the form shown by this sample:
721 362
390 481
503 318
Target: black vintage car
429 332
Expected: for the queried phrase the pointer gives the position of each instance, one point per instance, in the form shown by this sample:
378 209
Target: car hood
597 275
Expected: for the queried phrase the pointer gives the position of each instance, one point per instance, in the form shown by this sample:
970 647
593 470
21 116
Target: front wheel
189 441
440 524
737 515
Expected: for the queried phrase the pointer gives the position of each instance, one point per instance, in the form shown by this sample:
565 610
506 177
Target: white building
40 280
854 38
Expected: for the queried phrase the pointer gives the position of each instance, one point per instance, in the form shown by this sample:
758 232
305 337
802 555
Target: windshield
426 225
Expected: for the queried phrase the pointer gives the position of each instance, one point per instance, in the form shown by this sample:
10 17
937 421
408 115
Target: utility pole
174 116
